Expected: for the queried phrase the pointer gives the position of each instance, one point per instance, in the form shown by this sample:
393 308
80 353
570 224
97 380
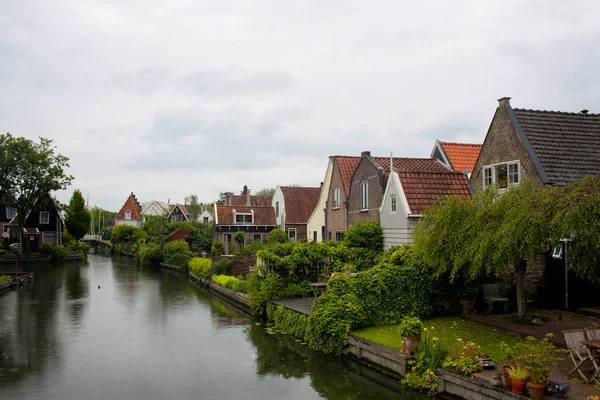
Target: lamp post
565 244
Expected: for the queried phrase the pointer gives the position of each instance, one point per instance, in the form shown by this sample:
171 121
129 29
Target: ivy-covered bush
251 248
277 236
365 243
177 253
124 234
217 248
149 254
200 267
240 238
222 267
54 252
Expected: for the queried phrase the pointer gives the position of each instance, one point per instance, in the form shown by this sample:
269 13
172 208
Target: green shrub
410 326
240 238
277 236
222 267
4 279
84 250
177 253
291 322
124 234
200 267
251 248
365 234
54 252
149 254
231 282
424 366
217 249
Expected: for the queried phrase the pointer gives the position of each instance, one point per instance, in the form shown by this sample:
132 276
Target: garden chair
491 296
578 352
594 334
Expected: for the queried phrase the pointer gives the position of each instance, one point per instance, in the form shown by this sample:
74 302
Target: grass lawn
449 330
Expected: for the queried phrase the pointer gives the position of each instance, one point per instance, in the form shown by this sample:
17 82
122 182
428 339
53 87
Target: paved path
301 305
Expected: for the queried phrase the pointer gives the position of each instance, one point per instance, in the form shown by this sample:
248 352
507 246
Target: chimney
248 197
365 153
504 101
321 185
584 111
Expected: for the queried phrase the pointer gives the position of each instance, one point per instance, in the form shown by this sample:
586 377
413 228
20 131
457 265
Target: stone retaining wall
380 356
471 388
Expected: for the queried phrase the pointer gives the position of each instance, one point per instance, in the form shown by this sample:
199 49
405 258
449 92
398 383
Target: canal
108 329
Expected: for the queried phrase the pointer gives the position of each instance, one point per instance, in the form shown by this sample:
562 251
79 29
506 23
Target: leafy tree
100 218
37 169
265 192
365 234
78 218
124 234
8 162
157 227
192 205
223 196
240 237
277 236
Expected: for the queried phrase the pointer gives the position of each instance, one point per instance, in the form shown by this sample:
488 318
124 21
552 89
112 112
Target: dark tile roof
132 205
425 188
461 156
411 164
347 165
567 145
300 202
264 216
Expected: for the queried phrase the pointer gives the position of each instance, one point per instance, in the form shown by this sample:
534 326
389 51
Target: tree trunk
24 237
520 269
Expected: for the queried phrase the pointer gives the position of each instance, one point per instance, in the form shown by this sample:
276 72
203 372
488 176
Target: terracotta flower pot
506 373
518 386
535 390
411 344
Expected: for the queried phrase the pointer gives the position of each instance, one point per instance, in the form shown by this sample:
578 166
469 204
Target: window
44 217
127 214
11 212
277 209
49 237
505 175
335 194
364 195
339 235
6 228
205 219
227 238
292 234
257 237
393 203
329 235
315 236
244 218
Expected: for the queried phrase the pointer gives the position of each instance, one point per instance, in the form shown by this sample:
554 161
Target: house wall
278 197
54 227
336 218
503 144
133 222
396 227
177 215
317 219
301 230
366 171
153 209
205 214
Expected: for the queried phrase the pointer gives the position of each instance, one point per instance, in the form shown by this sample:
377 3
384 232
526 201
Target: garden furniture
491 296
318 288
592 345
578 352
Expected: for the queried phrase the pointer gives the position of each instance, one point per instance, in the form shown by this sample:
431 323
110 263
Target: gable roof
422 189
257 201
411 164
461 156
300 202
263 216
180 234
564 146
347 165
132 205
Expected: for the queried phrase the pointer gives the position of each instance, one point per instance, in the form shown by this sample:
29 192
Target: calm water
150 334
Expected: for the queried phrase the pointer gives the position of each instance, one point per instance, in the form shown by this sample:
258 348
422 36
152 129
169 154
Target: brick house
255 222
459 157
546 147
246 199
130 213
406 196
369 181
293 207
336 209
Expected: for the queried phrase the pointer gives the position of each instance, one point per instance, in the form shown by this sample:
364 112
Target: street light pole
565 243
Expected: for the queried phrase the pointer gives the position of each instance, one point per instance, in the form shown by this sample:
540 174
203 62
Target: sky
169 98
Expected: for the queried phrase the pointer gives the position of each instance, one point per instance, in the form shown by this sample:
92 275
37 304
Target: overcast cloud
167 98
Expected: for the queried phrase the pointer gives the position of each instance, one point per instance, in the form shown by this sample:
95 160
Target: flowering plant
558 388
468 359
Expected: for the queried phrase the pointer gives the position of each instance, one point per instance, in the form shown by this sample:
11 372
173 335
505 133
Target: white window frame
295 234
244 222
227 236
277 209
393 204
490 173
11 212
49 237
127 214
335 203
47 214
364 195
205 219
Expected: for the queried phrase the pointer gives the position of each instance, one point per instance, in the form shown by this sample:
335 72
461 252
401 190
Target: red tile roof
300 202
461 156
180 234
264 216
424 188
347 165
257 201
132 205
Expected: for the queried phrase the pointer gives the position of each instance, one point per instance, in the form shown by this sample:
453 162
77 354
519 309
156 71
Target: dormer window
244 219
127 214
44 217
504 175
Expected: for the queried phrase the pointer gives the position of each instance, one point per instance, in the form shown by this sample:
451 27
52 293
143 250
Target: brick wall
366 172
503 144
336 218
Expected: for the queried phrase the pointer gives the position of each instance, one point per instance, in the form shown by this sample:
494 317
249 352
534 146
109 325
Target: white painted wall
317 219
152 208
278 197
396 227
133 222
205 214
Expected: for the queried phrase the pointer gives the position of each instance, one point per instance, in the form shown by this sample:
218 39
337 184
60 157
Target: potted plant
410 330
467 297
519 377
506 365
558 388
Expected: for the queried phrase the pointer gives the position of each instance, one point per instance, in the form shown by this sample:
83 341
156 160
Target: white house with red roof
409 193
316 222
459 157
293 207
155 207
130 213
